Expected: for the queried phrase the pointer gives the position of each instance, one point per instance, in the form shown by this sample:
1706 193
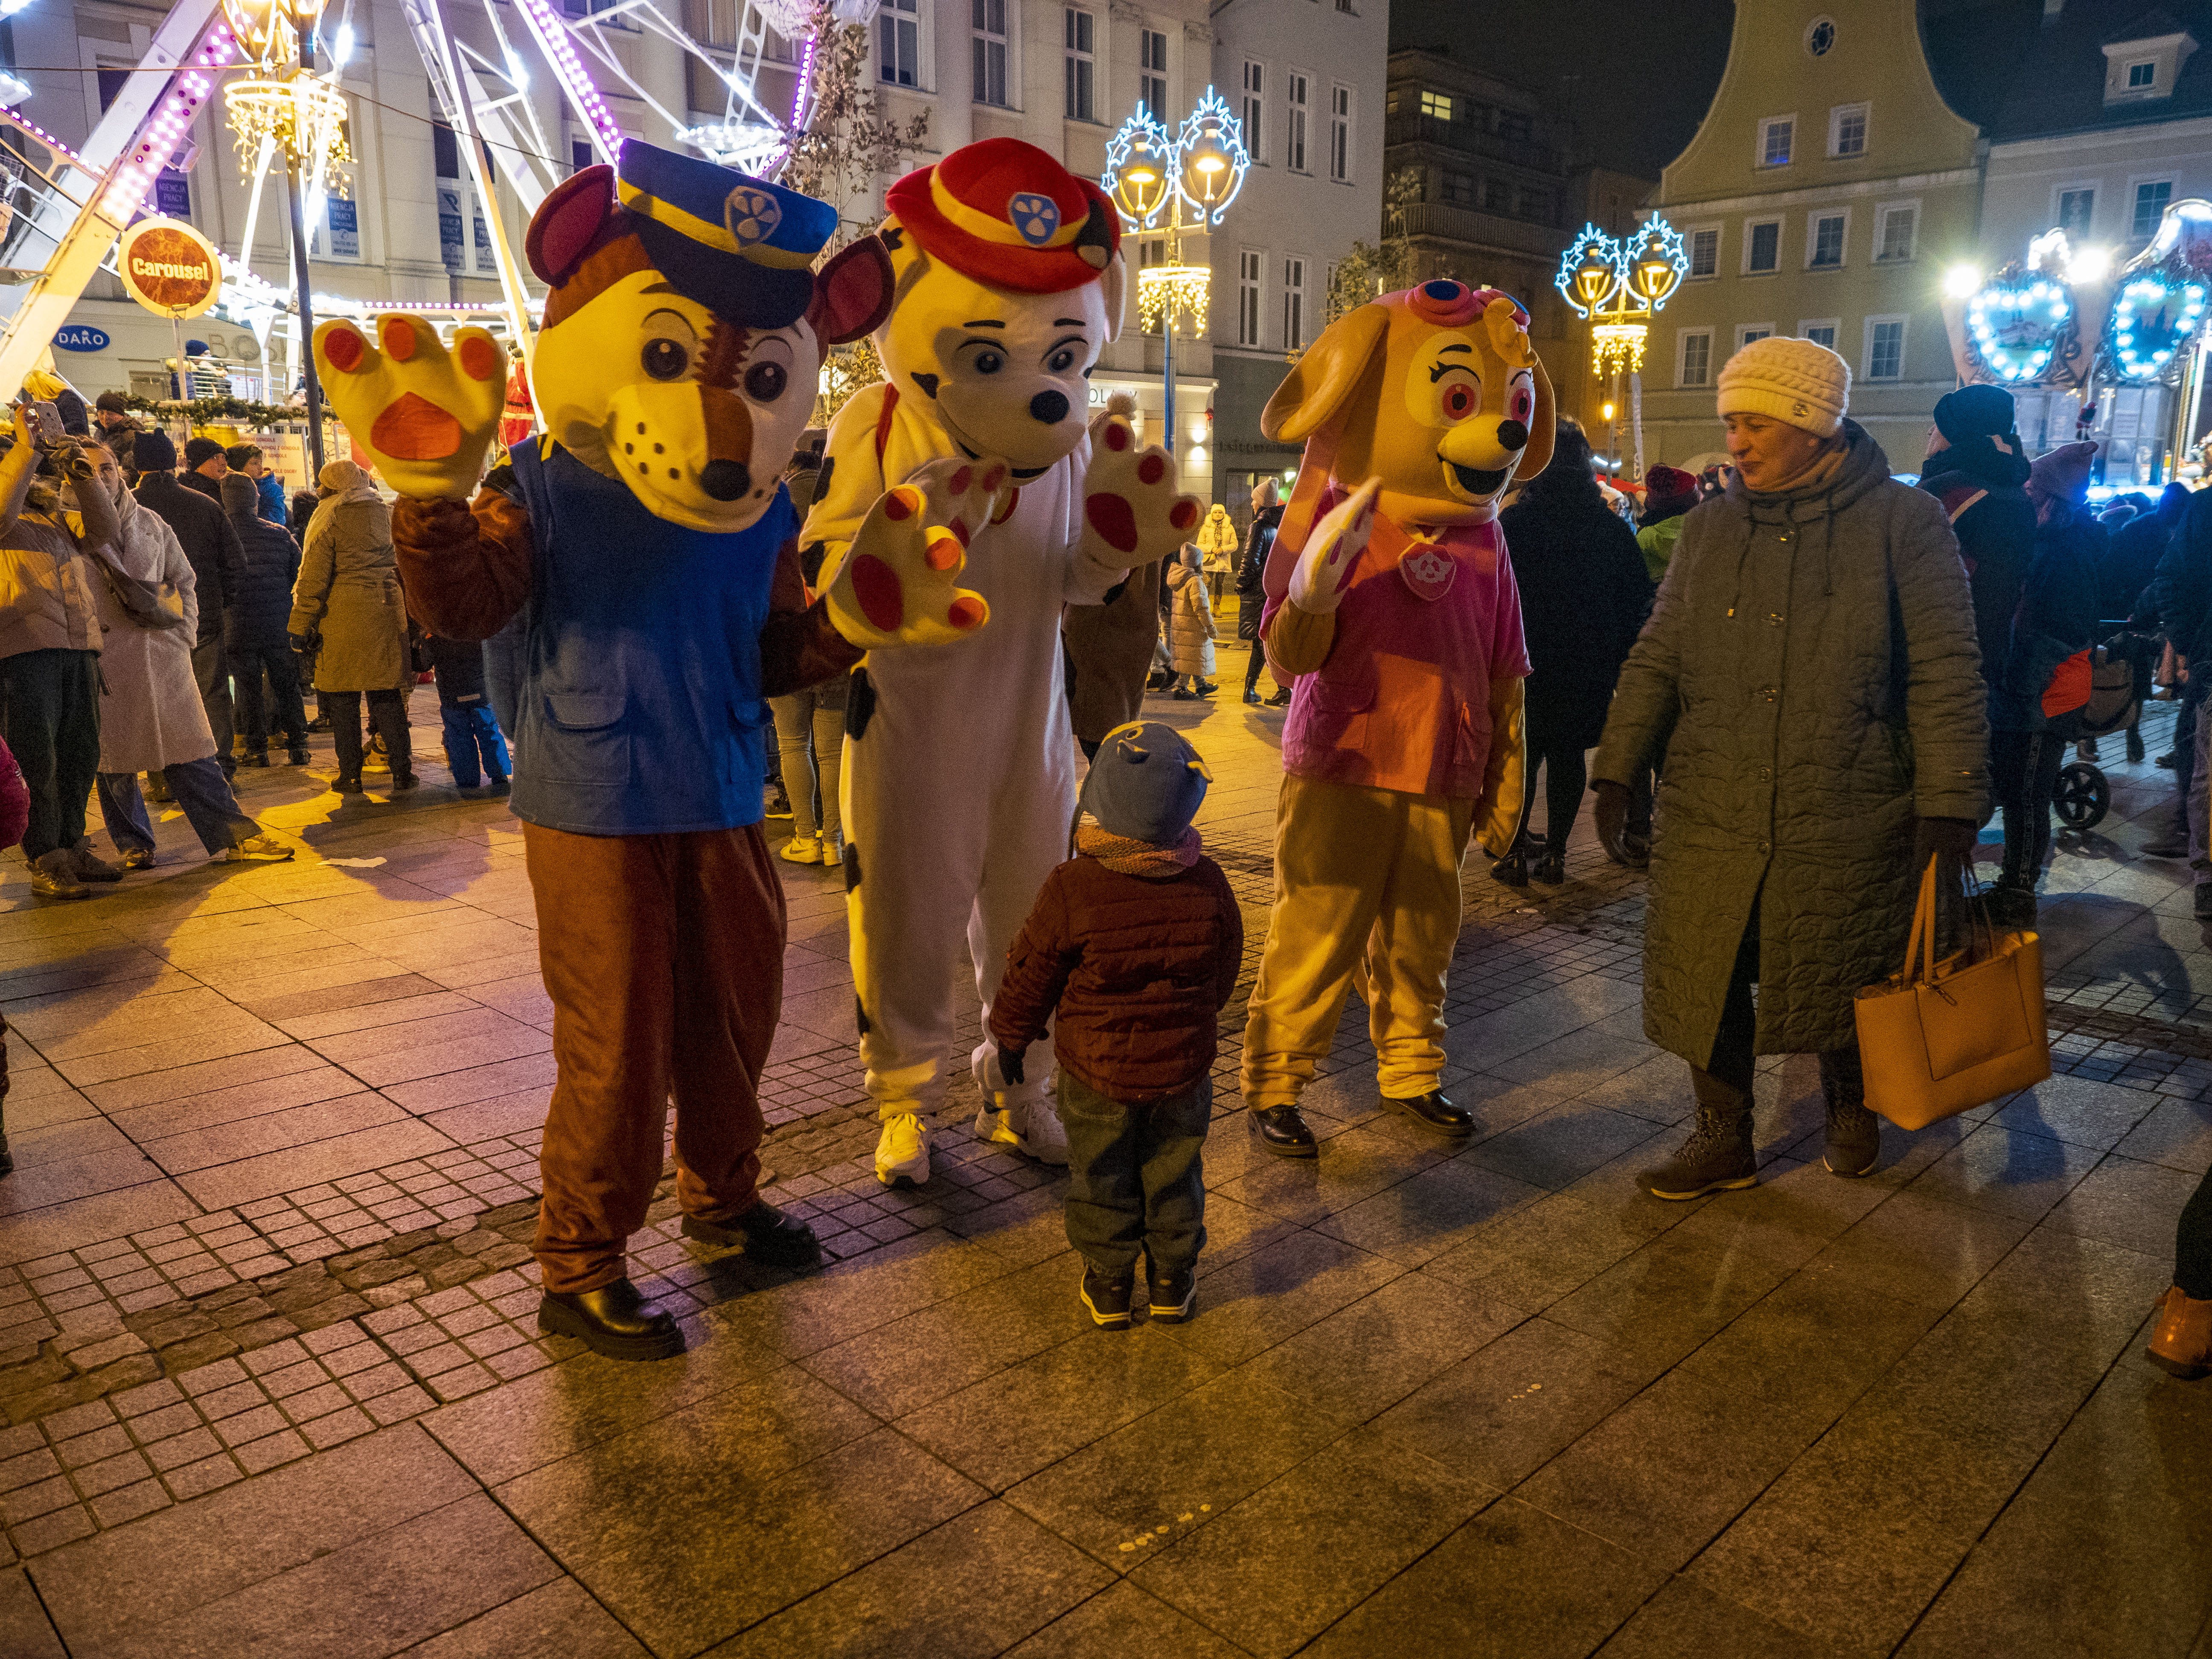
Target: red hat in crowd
1004 213
1669 491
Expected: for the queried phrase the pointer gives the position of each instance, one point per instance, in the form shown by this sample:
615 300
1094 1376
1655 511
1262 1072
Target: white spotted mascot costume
959 774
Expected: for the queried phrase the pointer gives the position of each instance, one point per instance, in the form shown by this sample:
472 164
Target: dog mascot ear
1308 404
568 221
852 293
1502 319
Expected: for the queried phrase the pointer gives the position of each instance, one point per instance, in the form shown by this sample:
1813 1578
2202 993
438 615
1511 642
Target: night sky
1642 81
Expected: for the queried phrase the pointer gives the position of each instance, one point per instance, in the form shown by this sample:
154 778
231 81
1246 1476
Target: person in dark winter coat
1136 942
1813 770
1978 468
1251 596
260 605
2042 681
1584 596
475 752
218 562
2133 552
2179 599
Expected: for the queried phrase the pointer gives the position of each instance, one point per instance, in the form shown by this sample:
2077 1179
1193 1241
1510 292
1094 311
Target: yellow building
1826 195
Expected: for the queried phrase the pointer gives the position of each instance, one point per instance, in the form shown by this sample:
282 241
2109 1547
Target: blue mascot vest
640 710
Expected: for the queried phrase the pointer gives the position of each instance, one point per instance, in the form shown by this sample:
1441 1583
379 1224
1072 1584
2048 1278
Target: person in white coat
151 716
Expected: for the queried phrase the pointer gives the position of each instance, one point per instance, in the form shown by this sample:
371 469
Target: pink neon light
172 120
553 34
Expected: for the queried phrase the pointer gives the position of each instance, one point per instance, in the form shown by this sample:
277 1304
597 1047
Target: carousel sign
169 267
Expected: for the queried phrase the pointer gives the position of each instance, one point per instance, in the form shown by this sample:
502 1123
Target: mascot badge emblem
1428 570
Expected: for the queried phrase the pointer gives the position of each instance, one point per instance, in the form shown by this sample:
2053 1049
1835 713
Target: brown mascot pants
663 957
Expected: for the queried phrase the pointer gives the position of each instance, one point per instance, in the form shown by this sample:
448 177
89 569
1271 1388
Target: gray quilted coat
1811 672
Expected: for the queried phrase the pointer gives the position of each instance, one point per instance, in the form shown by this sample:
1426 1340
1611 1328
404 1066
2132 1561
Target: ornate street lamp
1186 182
1619 285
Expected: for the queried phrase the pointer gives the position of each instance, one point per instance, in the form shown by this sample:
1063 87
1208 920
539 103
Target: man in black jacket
206 461
259 607
218 566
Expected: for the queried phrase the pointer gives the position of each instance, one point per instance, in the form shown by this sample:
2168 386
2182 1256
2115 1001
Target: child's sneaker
802 849
1174 1295
903 1152
1108 1298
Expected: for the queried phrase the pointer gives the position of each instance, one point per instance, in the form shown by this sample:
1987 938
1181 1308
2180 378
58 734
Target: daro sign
83 337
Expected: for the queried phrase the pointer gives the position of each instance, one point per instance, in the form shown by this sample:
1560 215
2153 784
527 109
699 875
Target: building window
1515 124
1775 135
1885 352
1497 196
1704 251
1895 231
2150 207
1082 65
1153 85
1535 206
2141 76
111 82
1747 332
1694 366
1339 134
1456 187
1294 304
580 154
2077 208
1847 129
1248 298
1436 105
987 26
1294 143
1820 333
1762 246
898 43
1827 249
1255 109
1347 7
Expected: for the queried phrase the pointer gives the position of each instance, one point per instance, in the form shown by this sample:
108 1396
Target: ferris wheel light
341 50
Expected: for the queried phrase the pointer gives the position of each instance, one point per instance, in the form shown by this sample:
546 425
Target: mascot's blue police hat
739 246
1146 783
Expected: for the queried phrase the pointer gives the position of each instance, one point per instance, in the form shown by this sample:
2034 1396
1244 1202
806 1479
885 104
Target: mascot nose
1513 434
1050 407
727 480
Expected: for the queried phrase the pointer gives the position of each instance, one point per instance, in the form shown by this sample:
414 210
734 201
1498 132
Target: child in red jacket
1136 941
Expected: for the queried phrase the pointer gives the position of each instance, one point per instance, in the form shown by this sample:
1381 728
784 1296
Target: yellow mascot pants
1364 879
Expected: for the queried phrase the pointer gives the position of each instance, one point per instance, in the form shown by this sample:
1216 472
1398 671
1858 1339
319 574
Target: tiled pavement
267 1350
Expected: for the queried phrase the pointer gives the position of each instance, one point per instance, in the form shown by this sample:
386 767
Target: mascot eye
1524 404
1061 360
1460 399
764 382
665 359
989 362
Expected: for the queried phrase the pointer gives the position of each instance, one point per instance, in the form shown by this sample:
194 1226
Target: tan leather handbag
1943 1036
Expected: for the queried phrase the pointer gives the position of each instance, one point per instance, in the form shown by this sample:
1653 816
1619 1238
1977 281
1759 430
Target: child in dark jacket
1136 942
474 749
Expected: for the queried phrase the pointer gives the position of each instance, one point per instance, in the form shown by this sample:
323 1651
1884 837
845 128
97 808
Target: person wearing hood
2043 678
2179 598
1977 467
151 717
203 530
1583 598
346 607
1191 631
1810 671
1251 595
260 606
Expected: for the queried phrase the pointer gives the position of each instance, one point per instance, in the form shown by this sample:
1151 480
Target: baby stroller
2119 671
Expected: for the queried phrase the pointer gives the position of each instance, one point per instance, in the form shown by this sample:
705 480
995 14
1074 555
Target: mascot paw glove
424 414
1132 515
899 582
1333 548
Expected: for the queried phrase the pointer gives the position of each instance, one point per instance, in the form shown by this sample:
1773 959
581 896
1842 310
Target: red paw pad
965 614
1112 517
1117 436
876 585
959 527
344 348
1152 469
479 357
900 504
1183 514
994 477
958 482
398 340
943 552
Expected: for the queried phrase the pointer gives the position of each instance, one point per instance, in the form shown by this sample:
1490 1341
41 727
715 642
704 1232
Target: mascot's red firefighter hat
1005 214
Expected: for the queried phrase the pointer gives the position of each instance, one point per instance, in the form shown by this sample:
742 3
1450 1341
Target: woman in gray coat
1810 672
349 594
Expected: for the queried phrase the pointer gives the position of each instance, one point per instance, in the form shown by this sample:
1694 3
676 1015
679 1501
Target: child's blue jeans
474 747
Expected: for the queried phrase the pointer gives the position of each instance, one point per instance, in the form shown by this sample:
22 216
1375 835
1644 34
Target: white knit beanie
1794 380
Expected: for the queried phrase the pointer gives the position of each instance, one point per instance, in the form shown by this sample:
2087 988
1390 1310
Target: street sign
81 337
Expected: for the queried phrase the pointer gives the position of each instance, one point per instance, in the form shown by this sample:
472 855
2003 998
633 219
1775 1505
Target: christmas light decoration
299 111
2158 312
1619 285
1162 290
2019 322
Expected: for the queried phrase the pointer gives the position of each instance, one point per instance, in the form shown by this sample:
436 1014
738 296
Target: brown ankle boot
2181 1341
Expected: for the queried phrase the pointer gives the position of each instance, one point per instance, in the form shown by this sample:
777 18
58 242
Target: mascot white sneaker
959 779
